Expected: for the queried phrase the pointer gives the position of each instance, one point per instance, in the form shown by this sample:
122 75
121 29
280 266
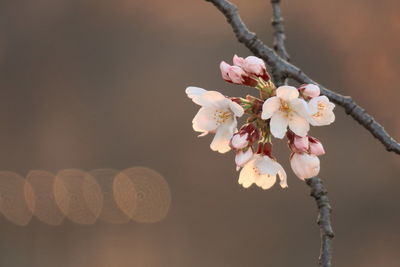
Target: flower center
284 107
220 116
321 107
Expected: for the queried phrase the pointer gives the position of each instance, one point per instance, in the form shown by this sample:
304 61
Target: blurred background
100 84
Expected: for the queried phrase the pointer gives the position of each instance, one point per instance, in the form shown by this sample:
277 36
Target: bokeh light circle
46 208
153 197
78 196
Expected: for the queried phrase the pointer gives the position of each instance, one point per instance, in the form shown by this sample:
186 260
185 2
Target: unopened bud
316 147
310 90
239 141
242 157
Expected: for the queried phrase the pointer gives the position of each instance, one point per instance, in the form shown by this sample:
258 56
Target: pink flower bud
316 147
310 90
242 157
300 144
224 67
237 74
239 141
304 165
255 66
238 61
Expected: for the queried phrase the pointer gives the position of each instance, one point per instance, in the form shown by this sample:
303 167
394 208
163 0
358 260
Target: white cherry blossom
216 115
262 170
321 111
286 109
305 165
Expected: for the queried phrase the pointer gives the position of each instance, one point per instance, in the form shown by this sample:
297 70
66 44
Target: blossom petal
236 108
278 124
270 106
298 124
223 136
204 120
247 175
265 181
193 91
305 165
287 93
224 67
238 61
282 176
300 106
266 165
208 98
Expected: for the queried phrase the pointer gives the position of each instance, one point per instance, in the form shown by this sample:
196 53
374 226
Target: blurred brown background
100 84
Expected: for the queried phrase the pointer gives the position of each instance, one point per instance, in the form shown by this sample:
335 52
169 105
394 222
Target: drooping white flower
242 157
321 111
286 109
305 165
262 170
216 115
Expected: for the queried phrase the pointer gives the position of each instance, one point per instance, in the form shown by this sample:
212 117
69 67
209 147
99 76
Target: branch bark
319 193
279 30
280 66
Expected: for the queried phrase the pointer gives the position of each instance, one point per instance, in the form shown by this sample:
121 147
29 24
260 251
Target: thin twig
324 219
279 30
282 67
279 39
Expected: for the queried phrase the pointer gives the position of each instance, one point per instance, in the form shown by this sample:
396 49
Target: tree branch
324 219
280 67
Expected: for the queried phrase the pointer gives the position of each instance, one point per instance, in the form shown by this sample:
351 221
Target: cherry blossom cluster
277 112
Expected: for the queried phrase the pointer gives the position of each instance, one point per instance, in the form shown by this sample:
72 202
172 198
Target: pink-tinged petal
224 67
305 165
223 136
300 144
287 93
278 124
236 108
254 65
236 74
310 90
238 61
270 106
298 124
316 148
204 121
